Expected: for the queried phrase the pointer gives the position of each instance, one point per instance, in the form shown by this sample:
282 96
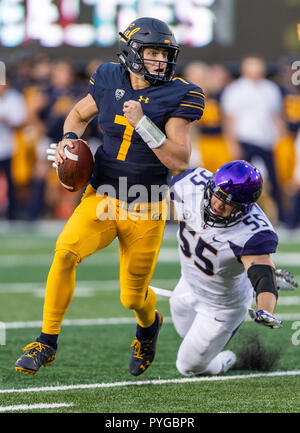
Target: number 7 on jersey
121 120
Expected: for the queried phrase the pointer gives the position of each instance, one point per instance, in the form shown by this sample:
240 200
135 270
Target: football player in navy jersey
145 114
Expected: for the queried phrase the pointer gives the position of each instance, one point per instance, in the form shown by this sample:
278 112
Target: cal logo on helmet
128 33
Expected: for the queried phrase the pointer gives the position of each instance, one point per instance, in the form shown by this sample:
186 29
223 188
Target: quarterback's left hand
285 280
263 317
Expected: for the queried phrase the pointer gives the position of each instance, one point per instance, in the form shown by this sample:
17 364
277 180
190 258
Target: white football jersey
209 256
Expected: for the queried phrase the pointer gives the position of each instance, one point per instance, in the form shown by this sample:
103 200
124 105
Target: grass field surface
90 374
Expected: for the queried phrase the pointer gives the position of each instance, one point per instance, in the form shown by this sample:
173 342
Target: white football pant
205 330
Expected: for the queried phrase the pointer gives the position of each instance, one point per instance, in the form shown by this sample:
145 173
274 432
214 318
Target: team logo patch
119 93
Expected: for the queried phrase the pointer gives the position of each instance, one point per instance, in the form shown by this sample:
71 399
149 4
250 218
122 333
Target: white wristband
150 133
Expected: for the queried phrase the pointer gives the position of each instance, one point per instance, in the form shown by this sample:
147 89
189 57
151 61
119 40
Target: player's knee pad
190 361
141 263
132 302
66 259
187 368
182 368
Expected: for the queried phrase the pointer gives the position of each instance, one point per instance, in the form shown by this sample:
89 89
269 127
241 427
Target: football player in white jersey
225 242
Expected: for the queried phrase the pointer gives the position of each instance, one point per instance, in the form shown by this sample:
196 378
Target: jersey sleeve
264 242
91 85
176 191
97 84
191 105
177 177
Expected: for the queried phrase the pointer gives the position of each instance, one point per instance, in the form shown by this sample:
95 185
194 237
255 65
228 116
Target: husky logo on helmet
237 183
143 33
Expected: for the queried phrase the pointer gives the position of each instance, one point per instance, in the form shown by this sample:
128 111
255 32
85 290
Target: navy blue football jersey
123 152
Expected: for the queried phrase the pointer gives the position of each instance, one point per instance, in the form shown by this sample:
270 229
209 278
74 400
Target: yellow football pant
95 223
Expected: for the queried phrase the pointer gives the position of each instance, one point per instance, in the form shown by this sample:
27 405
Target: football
75 172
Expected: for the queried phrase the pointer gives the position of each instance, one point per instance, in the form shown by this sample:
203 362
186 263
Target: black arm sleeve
263 279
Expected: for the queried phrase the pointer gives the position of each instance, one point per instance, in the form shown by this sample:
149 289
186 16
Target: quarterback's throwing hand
265 318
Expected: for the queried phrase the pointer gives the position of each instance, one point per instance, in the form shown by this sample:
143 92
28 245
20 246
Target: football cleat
228 359
35 355
143 352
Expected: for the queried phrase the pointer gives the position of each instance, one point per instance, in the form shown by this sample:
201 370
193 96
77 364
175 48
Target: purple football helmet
237 183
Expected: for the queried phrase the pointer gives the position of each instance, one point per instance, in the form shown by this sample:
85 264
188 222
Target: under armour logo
141 99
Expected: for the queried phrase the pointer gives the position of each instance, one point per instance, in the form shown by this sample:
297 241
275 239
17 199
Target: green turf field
90 373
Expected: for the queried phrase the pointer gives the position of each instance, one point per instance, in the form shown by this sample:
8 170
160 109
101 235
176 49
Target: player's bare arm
261 272
175 151
265 300
77 120
264 259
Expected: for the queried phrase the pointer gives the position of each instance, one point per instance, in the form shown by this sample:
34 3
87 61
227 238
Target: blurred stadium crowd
251 114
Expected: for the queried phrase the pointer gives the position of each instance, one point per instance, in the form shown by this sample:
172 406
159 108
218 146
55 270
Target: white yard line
166 255
150 382
283 300
34 406
79 322
38 260
288 300
90 288
115 321
97 285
